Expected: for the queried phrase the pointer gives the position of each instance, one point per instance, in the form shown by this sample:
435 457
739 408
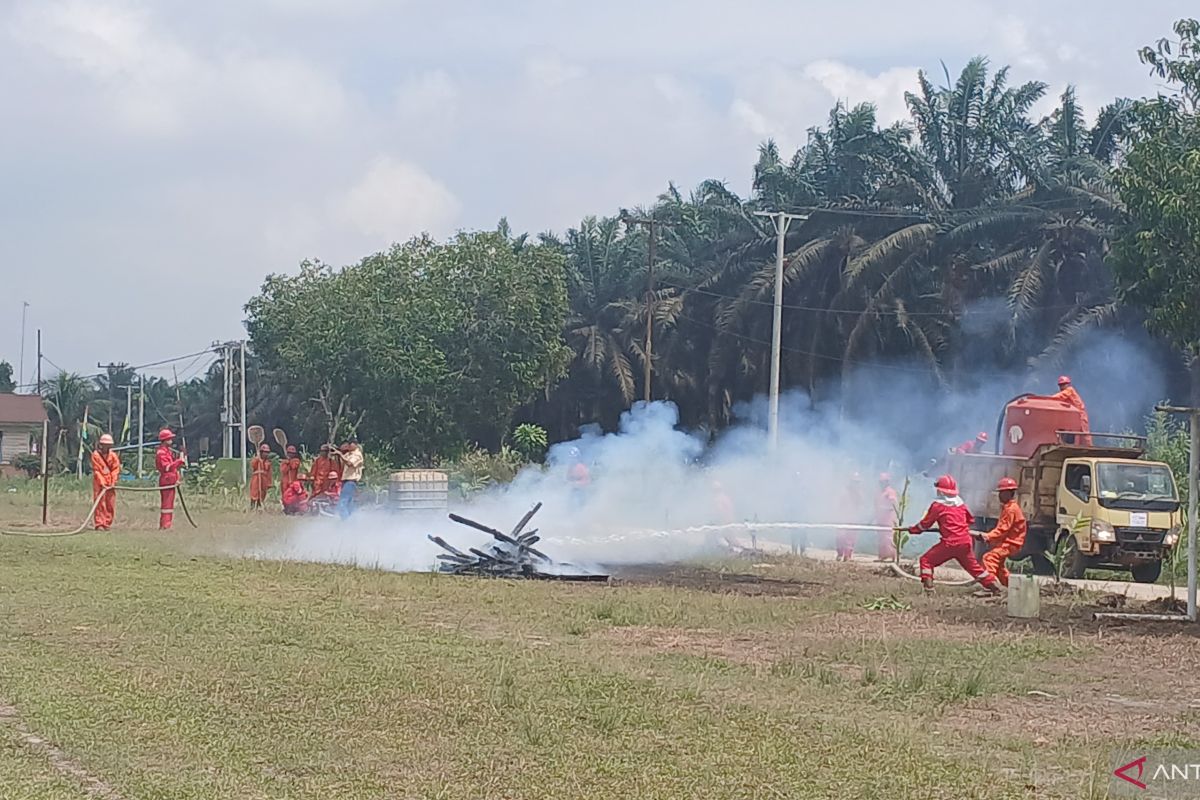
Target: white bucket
1024 597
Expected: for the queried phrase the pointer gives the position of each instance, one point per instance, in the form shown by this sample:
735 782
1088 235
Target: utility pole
128 409
783 221
651 228
141 422
21 374
45 436
242 419
227 403
1193 490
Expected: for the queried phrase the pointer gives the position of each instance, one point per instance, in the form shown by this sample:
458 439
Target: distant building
21 418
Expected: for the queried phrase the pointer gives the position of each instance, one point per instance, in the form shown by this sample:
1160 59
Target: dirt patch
712 580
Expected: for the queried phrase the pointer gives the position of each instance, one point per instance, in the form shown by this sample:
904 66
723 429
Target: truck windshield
1141 486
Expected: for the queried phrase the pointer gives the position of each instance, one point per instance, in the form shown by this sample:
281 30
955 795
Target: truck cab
1089 496
1117 513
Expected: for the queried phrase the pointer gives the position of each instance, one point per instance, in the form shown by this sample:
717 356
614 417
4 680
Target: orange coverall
262 476
168 466
106 471
1006 540
1069 395
289 472
322 466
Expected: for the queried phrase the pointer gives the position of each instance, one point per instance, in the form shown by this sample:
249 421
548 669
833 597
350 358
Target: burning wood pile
512 555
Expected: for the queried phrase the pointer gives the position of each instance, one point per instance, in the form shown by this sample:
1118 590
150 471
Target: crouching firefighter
953 520
1007 538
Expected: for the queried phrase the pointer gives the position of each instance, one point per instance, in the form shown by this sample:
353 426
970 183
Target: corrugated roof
22 408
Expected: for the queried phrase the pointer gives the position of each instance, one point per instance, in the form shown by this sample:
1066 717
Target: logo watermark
1156 773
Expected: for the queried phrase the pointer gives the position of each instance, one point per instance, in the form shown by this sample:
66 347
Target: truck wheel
1074 563
1146 573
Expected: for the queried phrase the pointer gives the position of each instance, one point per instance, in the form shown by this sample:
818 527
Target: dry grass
170 672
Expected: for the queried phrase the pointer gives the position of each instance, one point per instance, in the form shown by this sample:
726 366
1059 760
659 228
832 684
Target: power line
881 312
805 352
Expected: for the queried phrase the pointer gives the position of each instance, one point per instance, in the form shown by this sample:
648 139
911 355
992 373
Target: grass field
160 669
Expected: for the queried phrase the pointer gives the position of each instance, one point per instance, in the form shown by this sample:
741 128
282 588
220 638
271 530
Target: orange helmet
264 448
291 449
106 438
885 477
165 435
1064 380
946 485
1006 485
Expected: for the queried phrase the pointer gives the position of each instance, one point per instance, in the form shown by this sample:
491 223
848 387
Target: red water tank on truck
1031 421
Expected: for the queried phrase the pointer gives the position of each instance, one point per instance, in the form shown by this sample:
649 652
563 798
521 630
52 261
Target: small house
21 418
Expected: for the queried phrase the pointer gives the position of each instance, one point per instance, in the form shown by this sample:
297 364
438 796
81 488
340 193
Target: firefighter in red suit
953 520
168 463
976 445
1067 394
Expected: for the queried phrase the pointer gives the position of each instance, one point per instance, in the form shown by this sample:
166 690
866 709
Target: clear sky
158 158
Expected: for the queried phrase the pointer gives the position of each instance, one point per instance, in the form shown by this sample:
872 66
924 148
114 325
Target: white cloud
885 90
395 200
551 71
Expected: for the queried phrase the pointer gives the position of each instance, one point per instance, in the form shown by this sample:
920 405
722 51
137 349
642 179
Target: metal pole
21 374
227 443
242 428
650 312
128 410
1193 501
141 422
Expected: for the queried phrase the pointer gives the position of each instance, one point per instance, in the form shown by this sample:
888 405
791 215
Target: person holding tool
289 468
168 464
262 476
106 471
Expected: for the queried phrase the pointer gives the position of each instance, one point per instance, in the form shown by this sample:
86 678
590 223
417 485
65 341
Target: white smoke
651 480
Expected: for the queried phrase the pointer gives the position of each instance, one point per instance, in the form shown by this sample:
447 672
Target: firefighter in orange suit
168 465
106 471
1007 538
262 476
1067 393
289 468
323 464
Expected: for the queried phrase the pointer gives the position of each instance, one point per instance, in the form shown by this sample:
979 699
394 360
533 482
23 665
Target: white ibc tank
418 490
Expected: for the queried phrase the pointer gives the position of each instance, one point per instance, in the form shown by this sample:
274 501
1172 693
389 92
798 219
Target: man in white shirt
352 471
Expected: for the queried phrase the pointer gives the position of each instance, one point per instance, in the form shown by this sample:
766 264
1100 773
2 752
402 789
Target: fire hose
894 564
83 526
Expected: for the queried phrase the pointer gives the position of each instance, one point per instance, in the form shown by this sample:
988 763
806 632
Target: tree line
970 236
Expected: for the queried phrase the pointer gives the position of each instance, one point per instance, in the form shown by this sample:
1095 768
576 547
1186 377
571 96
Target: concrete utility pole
45 437
783 221
1193 501
652 228
21 373
141 422
242 416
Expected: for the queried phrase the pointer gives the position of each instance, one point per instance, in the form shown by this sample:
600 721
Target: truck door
1075 499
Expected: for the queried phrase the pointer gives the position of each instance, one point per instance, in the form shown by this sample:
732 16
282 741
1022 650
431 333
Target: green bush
530 440
478 469
28 463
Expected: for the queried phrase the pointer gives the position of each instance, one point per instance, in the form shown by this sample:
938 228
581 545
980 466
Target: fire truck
1089 497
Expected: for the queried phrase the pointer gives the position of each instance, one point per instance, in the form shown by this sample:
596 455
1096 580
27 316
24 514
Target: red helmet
1064 380
264 448
291 449
946 485
885 477
165 435
333 476
1006 485
982 436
